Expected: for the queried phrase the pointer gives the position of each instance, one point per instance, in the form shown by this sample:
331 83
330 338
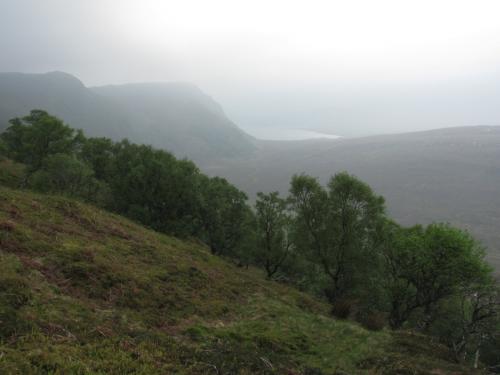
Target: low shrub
373 320
342 308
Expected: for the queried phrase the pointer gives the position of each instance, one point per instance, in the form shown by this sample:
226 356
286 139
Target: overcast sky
347 67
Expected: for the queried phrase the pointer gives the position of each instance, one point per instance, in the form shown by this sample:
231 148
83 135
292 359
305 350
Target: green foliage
224 215
154 188
34 137
468 321
339 226
98 153
65 174
273 226
426 265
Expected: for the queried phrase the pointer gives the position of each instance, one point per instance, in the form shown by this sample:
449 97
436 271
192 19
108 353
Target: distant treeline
335 241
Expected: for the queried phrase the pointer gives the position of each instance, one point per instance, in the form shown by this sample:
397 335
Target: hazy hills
175 116
181 118
63 95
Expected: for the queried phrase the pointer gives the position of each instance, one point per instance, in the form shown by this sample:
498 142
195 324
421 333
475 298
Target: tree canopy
274 231
338 224
31 139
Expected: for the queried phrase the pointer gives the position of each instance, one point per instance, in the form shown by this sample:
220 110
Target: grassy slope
84 291
10 173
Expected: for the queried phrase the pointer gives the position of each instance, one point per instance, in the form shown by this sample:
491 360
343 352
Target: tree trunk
476 358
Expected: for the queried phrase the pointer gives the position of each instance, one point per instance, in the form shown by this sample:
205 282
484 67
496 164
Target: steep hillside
11 173
449 175
197 125
64 96
87 292
174 116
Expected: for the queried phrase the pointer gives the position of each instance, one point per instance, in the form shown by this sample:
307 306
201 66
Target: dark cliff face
178 117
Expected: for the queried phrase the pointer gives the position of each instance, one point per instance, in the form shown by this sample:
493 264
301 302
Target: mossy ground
83 291
11 173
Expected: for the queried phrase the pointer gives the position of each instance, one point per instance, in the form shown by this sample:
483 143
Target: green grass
83 291
11 173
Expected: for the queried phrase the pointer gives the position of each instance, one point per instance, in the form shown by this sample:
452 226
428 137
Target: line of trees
336 241
145 184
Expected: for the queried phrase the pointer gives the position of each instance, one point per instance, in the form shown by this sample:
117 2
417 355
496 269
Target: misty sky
344 67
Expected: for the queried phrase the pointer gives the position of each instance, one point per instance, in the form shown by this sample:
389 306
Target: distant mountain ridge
178 117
